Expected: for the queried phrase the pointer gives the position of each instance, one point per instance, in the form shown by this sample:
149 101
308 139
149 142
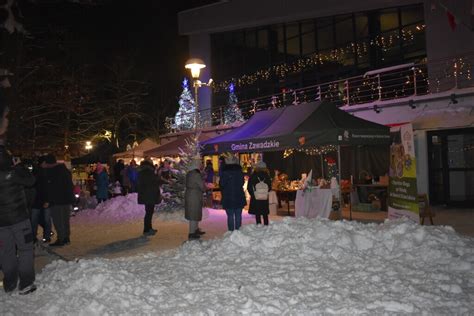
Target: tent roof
101 153
172 148
145 145
309 124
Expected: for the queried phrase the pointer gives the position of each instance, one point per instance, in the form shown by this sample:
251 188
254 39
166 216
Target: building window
308 38
348 44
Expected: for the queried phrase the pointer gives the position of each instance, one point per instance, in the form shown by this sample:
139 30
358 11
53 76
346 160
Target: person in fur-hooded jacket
193 198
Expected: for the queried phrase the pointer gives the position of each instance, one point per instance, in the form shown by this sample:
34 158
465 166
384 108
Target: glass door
451 167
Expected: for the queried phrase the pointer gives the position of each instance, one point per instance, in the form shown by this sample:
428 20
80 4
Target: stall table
313 203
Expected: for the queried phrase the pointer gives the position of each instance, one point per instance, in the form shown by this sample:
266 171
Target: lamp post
195 65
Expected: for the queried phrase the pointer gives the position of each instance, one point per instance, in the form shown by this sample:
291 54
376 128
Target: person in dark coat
148 188
16 236
38 212
209 172
259 208
126 181
132 175
193 198
119 166
221 165
60 197
102 183
233 197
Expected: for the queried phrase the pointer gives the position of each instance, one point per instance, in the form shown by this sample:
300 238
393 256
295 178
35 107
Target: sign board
402 190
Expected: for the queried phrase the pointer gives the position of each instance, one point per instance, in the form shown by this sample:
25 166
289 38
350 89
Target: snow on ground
124 209
296 266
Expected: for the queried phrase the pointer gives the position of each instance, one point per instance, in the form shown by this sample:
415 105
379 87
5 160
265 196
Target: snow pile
117 209
296 266
125 209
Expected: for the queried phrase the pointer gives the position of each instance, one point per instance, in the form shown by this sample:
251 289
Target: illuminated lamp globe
195 64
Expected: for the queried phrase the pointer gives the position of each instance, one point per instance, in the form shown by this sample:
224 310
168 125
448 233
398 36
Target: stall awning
138 151
172 148
309 124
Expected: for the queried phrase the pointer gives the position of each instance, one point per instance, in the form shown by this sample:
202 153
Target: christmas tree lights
232 112
185 117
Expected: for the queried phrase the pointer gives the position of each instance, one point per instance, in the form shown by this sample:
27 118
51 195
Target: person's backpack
261 190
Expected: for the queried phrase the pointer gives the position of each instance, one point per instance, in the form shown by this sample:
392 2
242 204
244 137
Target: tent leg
339 174
322 166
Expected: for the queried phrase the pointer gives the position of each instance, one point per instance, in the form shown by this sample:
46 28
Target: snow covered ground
295 266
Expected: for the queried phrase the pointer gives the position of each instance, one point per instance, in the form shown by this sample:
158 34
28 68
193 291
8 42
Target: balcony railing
390 83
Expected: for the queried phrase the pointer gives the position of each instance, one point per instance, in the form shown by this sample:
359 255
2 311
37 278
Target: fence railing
378 85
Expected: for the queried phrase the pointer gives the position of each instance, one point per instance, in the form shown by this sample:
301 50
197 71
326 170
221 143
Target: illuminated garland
336 55
312 151
460 68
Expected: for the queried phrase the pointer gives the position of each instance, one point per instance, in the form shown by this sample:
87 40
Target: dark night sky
95 34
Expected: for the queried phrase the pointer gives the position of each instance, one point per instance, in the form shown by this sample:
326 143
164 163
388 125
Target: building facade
390 62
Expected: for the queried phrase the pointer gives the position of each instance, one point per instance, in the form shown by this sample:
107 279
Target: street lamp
88 146
195 65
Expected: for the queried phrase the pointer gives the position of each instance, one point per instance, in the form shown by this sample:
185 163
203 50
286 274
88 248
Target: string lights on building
384 42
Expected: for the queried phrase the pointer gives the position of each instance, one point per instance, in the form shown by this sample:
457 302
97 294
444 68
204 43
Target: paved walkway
461 219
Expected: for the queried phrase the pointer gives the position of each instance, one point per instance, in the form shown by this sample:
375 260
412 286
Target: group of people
231 184
145 180
125 178
45 196
29 198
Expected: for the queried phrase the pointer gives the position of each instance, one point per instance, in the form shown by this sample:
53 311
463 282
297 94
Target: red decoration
330 160
451 20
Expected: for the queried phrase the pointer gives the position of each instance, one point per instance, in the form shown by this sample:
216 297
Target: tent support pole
322 166
341 202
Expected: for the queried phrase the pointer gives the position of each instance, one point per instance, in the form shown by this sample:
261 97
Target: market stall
303 127
137 151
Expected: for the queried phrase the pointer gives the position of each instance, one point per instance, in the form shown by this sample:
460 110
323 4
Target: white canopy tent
137 151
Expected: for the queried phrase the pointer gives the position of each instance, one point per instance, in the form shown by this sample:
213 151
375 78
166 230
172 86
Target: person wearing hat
233 197
193 198
16 236
259 207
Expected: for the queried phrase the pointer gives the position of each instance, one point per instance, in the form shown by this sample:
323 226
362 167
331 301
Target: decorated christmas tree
331 167
232 112
184 118
173 193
